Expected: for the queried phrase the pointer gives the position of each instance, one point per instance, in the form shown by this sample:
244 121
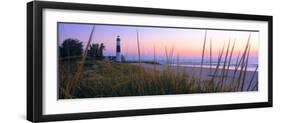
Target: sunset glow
187 43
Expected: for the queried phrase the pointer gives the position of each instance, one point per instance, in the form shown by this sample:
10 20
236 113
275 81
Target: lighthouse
118 49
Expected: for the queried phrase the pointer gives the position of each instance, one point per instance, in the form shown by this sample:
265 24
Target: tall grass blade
230 58
253 76
171 54
138 43
167 56
178 63
154 59
210 55
203 51
236 69
224 64
245 69
217 67
71 84
242 60
255 86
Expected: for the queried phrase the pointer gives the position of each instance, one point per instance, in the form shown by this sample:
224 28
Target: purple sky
187 42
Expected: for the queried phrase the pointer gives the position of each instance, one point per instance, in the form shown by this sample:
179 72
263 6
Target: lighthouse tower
118 49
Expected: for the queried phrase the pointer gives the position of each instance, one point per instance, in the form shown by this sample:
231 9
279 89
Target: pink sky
188 43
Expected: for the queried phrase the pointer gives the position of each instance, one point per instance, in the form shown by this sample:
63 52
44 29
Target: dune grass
109 79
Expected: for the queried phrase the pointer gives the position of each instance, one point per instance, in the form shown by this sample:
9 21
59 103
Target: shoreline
251 67
207 73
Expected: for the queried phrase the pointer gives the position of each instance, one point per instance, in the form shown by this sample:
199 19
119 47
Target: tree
96 51
71 47
93 50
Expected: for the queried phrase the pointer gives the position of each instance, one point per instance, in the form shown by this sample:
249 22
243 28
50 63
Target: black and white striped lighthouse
118 49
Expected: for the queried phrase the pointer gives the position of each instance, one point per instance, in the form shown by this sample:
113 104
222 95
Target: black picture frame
34 60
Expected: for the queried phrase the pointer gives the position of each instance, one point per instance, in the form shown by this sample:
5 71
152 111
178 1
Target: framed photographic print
96 61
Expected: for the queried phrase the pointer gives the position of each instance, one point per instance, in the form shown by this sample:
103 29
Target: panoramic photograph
103 60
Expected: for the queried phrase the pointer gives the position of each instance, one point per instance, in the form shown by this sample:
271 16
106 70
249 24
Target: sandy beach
207 73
